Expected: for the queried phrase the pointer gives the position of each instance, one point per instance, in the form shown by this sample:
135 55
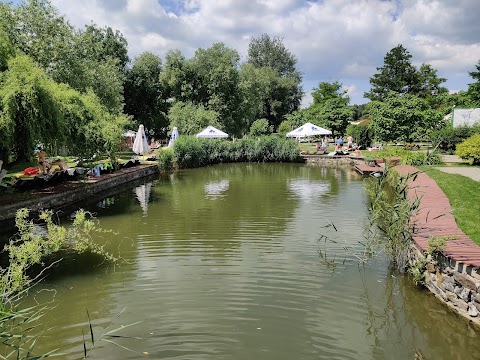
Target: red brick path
434 218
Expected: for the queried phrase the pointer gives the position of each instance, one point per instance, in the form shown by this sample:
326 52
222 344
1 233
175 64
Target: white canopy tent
308 129
211 132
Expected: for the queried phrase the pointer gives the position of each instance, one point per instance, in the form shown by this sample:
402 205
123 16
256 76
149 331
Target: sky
333 40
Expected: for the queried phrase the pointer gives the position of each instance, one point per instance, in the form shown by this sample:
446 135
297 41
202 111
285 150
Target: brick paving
434 217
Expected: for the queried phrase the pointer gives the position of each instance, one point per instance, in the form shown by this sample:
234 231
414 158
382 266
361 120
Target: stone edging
83 191
454 275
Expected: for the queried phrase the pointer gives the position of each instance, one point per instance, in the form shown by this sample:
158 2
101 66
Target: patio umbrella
308 129
173 137
140 145
211 132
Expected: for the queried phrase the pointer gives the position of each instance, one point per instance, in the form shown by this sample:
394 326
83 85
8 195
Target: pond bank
454 275
70 192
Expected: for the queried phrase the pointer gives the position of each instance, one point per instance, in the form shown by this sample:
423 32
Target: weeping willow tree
29 109
35 109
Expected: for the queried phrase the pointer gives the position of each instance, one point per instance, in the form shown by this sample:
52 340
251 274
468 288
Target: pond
231 262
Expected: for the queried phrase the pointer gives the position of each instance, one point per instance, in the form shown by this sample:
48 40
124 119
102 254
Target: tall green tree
474 88
36 29
210 79
397 75
283 92
145 98
400 76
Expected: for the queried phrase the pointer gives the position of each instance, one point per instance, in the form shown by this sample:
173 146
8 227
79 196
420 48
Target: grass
464 196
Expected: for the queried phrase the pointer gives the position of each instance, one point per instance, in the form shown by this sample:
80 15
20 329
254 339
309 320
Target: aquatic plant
390 211
191 152
29 248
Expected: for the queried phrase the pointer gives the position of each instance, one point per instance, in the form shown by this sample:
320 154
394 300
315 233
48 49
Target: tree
29 111
36 29
216 84
190 119
270 52
429 83
402 118
282 90
328 91
144 94
209 79
397 75
329 109
474 88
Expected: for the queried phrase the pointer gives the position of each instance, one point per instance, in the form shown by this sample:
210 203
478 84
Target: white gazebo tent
308 129
211 132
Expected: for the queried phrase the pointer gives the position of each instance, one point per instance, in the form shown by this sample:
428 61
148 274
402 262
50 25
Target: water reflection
214 189
308 190
142 192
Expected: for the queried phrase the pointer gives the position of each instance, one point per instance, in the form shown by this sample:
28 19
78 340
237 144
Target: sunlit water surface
225 262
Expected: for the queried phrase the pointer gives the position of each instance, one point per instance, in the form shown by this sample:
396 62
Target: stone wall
331 160
83 191
455 283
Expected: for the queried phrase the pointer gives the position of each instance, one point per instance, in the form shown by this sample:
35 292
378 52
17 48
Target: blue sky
342 40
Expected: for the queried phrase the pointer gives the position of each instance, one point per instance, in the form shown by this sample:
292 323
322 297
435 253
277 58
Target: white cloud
341 40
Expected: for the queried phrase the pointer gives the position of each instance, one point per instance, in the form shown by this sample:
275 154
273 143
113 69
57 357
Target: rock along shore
68 193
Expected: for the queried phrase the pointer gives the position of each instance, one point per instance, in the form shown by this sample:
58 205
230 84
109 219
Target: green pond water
225 262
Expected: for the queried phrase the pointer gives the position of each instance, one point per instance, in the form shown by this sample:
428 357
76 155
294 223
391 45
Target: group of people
45 166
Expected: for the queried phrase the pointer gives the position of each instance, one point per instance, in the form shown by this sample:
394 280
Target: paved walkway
434 217
471 172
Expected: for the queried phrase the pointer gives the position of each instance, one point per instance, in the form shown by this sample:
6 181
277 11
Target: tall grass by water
191 152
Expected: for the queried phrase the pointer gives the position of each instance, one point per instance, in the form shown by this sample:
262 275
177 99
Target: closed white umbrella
140 145
308 129
211 132
173 137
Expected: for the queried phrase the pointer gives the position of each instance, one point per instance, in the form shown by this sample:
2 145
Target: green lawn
464 196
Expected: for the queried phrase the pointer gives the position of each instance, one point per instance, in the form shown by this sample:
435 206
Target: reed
191 152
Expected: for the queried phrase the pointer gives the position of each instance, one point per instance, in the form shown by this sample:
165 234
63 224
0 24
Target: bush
362 134
470 149
448 138
284 128
259 127
165 159
413 158
191 152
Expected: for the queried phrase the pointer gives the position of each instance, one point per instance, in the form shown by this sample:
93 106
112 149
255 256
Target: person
43 164
357 152
320 148
339 143
350 141
324 143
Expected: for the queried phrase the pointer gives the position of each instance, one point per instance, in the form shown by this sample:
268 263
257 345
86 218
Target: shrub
448 138
470 149
165 159
413 158
284 128
362 134
259 127
190 152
